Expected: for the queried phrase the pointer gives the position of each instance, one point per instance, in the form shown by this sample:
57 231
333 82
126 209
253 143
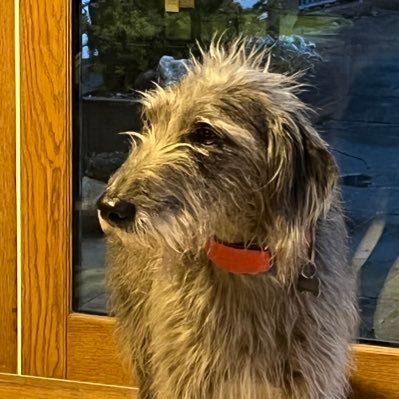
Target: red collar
238 259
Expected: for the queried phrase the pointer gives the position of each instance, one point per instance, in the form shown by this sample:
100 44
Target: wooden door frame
8 215
45 37
76 346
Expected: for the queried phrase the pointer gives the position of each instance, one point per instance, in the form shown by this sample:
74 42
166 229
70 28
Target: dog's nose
115 211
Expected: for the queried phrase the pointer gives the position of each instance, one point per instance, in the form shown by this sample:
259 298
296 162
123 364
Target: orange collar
235 258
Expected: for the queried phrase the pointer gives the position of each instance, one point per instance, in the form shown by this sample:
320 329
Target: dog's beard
176 232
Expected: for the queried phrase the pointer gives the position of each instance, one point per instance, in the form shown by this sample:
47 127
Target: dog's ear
314 171
302 173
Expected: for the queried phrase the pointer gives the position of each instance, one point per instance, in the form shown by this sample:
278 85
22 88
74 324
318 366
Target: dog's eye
204 135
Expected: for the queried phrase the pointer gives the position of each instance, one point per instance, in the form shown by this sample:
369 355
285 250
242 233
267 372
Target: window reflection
351 55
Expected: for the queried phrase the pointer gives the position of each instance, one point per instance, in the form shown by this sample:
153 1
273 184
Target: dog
226 242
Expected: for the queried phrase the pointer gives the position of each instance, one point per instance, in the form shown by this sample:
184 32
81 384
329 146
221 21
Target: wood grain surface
45 184
377 372
93 355
56 344
378 380
8 224
24 387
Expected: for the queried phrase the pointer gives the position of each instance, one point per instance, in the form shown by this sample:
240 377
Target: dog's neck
238 258
241 259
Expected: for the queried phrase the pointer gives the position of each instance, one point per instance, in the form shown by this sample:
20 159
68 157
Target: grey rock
290 54
91 191
171 70
102 165
145 80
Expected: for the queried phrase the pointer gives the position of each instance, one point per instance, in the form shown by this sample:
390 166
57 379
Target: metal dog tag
308 280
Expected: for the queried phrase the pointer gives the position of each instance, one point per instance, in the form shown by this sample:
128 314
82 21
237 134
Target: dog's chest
212 319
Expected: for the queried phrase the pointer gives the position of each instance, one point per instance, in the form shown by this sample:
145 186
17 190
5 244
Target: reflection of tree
277 10
119 33
127 37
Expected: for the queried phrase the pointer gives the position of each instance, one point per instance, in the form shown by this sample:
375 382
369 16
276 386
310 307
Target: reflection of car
356 180
303 4
263 16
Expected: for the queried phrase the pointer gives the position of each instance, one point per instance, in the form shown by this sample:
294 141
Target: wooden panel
377 374
23 387
92 353
8 225
92 357
45 184
376 379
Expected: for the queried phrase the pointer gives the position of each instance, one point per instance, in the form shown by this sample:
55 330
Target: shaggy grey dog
229 154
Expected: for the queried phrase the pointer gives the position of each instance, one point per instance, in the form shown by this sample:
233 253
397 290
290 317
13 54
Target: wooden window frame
56 342
27 387
8 218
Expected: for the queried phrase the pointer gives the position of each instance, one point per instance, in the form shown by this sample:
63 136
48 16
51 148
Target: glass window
351 54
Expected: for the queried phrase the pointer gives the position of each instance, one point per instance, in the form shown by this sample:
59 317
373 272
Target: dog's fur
261 176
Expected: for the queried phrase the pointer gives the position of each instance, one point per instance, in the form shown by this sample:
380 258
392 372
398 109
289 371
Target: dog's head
227 152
